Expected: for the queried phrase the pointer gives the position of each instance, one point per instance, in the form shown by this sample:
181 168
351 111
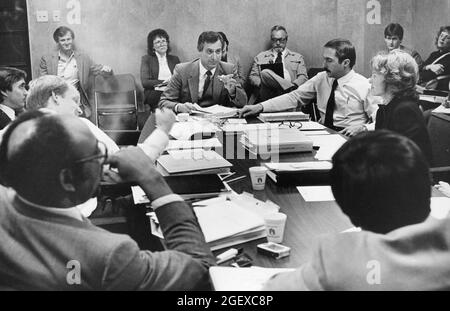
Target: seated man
48 245
13 93
381 181
393 36
206 81
343 96
268 82
57 95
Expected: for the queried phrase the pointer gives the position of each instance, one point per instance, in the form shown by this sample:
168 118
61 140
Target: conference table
306 221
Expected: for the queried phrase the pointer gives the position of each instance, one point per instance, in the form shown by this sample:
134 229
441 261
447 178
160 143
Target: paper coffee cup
275 223
183 117
258 177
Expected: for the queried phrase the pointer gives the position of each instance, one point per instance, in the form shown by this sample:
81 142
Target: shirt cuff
155 144
170 198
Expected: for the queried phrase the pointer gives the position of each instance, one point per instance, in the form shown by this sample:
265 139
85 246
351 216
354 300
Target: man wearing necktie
266 81
343 96
205 81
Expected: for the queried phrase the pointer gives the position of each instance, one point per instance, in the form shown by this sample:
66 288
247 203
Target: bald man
58 248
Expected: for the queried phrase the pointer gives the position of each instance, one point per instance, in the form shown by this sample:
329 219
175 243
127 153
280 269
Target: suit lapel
193 81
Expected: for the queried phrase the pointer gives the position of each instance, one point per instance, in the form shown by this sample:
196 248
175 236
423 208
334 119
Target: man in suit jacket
267 81
380 179
13 93
48 245
74 66
206 81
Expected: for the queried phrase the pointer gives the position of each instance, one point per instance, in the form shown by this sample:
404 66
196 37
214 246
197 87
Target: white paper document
328 145
314 133
237 121
216 110
316 193
299 166
440 207
194 144
442 109
242 279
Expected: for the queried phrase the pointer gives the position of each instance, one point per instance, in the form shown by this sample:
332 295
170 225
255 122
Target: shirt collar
347 78
9 111
283 54
72 212
70 57
203 70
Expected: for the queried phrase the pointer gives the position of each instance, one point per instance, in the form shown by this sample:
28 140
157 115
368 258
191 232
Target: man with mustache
205 81
343 96
267 81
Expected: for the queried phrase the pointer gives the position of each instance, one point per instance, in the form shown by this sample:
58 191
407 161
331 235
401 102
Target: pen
235 179
228 255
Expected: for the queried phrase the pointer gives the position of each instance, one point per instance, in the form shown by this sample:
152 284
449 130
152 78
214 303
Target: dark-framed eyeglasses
281 40
102 155
160 42
290 124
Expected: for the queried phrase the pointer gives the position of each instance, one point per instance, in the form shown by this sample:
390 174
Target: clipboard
275 67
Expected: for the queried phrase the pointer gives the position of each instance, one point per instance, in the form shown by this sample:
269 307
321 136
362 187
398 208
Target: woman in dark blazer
394 78
157 66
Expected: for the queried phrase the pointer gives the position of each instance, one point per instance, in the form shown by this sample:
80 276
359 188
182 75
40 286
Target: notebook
275 67
188 187
196 161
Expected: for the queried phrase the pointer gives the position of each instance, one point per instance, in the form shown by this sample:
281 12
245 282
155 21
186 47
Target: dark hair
152 36
208 37
344 50
33 169
441 30
61 32
394 29
381 180
9 76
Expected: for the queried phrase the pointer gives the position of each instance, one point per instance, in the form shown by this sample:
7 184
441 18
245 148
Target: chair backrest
115 102
311 108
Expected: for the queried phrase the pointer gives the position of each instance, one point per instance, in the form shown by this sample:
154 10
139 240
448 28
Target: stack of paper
242 279
283 116
217 111
225 224
299 173
191 162
232 128
194 144
276 141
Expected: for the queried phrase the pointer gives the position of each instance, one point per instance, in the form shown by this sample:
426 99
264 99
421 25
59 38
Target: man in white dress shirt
343 96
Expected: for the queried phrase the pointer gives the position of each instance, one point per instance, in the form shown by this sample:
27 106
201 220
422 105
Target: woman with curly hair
435 72
157 66
394 78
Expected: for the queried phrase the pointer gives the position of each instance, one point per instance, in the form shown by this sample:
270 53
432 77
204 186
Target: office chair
115 107
438 128
311 108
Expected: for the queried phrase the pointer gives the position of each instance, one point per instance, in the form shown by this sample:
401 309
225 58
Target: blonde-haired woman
394 78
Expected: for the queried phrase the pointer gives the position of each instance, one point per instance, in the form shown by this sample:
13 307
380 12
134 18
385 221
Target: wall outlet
42 16
56 15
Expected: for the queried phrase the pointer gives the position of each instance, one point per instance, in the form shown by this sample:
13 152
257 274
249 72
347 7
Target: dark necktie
330 106
207 82
279 58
